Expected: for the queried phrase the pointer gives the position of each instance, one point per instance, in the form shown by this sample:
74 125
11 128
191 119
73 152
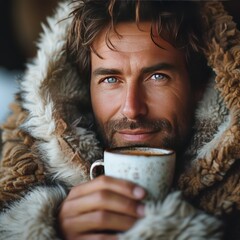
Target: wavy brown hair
178 22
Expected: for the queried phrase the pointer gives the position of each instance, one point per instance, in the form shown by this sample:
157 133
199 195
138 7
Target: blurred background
19 29
20 25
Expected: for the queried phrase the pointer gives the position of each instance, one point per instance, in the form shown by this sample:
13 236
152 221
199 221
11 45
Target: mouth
136 135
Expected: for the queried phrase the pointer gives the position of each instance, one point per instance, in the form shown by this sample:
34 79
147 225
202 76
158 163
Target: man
130 66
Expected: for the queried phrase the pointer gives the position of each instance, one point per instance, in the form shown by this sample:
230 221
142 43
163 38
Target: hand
101 208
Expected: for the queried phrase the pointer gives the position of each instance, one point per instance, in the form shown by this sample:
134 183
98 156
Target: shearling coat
48 146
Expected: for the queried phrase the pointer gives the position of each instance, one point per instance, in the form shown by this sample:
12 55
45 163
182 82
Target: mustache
153 125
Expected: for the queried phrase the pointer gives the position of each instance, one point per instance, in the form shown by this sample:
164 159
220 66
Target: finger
122 187
97 221
96 237
103 200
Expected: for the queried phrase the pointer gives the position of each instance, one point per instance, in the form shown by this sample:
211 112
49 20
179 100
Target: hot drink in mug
151 168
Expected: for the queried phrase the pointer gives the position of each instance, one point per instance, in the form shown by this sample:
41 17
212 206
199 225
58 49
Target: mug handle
99 162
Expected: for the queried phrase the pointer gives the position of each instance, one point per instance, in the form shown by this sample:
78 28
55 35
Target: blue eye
110 80
159 76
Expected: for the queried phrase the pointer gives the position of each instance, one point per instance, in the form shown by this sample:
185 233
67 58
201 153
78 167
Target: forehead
126 34
131 39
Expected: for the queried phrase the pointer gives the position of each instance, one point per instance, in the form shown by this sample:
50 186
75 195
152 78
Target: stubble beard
168 136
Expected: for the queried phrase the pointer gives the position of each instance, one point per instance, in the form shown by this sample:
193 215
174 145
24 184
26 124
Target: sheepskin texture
212 177
33 217
174 219
48 145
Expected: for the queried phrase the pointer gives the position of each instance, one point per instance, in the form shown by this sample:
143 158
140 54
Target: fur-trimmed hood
47 139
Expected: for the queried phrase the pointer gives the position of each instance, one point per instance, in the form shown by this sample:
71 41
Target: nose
135 103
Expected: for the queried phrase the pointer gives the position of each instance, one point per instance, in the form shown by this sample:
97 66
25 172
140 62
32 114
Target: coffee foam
143 151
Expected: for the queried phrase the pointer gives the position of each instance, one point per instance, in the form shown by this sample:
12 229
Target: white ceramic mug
151 168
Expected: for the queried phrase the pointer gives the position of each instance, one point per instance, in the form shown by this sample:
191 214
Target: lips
136 135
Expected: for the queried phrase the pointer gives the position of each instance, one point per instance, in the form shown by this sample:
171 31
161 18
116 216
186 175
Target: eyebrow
105 71
157 67
145 70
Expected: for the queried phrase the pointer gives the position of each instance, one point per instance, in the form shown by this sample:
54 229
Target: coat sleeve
174 218
34 216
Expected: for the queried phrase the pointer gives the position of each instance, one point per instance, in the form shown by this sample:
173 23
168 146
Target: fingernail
141 210
138 192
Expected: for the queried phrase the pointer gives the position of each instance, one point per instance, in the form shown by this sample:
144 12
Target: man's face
140 92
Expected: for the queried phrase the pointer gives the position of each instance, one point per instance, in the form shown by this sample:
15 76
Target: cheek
104 105
172 104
